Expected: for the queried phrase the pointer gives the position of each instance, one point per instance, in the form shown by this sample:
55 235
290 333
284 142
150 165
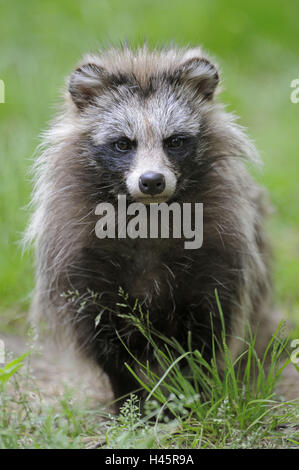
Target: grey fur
148 96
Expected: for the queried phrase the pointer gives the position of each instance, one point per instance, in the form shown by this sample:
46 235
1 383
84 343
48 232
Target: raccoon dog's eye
123 145
175 142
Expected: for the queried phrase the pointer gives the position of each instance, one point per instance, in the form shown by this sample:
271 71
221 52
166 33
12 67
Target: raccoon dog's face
141 114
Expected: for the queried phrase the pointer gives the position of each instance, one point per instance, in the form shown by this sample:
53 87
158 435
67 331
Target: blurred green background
256 45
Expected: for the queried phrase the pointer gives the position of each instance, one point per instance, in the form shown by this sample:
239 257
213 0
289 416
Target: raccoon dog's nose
152 183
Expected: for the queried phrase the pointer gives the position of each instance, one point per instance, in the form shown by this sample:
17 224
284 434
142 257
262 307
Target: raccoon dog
146 124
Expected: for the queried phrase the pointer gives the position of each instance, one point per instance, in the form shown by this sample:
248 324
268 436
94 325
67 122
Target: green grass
256 47
201 407
190 405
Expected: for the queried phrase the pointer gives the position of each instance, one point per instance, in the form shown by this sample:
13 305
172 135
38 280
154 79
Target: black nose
152 183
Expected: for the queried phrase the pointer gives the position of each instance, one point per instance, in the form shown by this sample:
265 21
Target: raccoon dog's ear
202 75
85 83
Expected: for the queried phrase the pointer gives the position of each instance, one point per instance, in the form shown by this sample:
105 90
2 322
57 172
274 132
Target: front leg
122 381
